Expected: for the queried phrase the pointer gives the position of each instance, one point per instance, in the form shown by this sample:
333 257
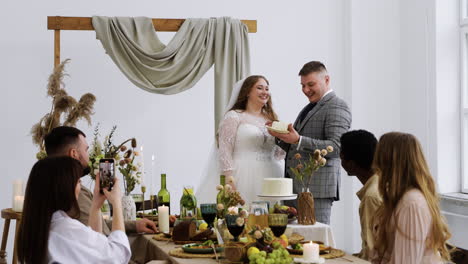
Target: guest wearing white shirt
49 231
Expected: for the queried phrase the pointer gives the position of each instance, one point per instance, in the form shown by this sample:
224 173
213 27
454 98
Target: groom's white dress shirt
72 242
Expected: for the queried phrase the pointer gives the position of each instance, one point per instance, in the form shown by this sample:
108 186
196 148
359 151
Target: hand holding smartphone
106 174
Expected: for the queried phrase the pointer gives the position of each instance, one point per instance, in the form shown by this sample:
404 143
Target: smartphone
106 173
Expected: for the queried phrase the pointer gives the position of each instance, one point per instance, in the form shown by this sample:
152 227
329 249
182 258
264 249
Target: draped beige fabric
133 45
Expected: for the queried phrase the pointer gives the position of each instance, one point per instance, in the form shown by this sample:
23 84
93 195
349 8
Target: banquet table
145 249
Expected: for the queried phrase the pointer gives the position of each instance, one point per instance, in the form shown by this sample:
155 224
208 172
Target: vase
305 208
188 203
128 208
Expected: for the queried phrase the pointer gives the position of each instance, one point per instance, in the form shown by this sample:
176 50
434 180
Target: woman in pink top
408 227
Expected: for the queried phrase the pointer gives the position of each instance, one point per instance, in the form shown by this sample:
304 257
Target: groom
320 124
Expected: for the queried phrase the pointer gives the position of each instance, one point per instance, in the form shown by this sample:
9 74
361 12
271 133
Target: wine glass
235 225
208 212
278 223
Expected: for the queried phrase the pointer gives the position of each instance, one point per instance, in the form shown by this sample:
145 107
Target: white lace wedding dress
248 152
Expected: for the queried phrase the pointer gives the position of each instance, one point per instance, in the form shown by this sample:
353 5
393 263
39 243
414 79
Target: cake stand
277 198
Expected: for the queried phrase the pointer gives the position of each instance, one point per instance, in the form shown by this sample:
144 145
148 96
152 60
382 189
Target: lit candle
311 251
18 203
17 191
163 219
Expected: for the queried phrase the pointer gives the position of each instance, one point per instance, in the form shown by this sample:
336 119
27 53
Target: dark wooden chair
139 205
460 256
8 214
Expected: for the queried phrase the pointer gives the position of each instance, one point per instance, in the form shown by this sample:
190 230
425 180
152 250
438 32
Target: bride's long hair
242 98
400 163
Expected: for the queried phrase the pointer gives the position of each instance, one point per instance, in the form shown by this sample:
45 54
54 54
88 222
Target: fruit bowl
284 209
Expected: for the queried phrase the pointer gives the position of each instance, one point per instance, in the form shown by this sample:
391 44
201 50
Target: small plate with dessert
278 127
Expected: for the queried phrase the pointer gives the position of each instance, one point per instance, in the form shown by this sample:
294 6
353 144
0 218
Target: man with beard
320 124
70 141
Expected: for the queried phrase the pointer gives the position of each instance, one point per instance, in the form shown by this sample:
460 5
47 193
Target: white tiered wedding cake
277 187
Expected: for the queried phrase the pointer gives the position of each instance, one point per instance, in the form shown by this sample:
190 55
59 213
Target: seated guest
357 153
409 226
70 141
49 231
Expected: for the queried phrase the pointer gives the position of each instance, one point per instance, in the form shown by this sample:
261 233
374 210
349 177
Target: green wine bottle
164 197
220 196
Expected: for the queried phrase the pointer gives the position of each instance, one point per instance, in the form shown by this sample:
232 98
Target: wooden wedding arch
58 23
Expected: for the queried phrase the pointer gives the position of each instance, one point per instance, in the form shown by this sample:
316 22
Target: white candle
18 203
163 219
311 251
152 191
142 166
17 187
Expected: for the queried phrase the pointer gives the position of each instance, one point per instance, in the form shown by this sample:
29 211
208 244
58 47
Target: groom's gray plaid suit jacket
322 127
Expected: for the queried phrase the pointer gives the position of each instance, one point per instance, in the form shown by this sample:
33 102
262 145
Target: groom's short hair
359 146
311 67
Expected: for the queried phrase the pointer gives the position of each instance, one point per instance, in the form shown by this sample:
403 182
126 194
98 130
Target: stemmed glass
208 212
235 225
278 223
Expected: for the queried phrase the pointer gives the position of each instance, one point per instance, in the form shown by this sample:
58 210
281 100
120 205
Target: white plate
277 130
279 197
301 260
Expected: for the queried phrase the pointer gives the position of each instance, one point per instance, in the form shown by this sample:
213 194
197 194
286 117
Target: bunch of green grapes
277 256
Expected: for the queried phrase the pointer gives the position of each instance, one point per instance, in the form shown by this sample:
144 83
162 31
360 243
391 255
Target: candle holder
143 190
153 198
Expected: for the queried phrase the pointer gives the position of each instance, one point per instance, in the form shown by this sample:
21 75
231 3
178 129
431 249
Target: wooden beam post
56 47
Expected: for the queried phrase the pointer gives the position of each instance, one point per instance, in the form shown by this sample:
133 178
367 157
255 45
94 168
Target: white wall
176 128
374 56
381 56
448 94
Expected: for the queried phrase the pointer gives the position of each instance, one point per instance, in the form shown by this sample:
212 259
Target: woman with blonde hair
409 226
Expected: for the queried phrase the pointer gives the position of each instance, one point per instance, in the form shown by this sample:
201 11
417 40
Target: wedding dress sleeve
227 138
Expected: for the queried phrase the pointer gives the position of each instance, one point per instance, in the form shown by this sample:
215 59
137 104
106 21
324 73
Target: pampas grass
64 107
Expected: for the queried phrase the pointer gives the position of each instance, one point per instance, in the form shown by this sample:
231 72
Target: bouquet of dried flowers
131 172
65 109
262 235
227 197
304 170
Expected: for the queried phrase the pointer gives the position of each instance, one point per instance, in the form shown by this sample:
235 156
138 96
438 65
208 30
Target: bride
247 152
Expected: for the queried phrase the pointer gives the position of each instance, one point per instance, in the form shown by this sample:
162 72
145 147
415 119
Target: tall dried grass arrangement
64 107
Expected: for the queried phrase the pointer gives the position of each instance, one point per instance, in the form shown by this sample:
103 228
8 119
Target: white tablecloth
318 232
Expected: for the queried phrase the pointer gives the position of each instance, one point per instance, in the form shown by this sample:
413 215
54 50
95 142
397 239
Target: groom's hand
291 138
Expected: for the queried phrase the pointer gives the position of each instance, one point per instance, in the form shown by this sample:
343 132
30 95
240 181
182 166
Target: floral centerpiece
227 197
235 221
123 155
65 109
303 172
